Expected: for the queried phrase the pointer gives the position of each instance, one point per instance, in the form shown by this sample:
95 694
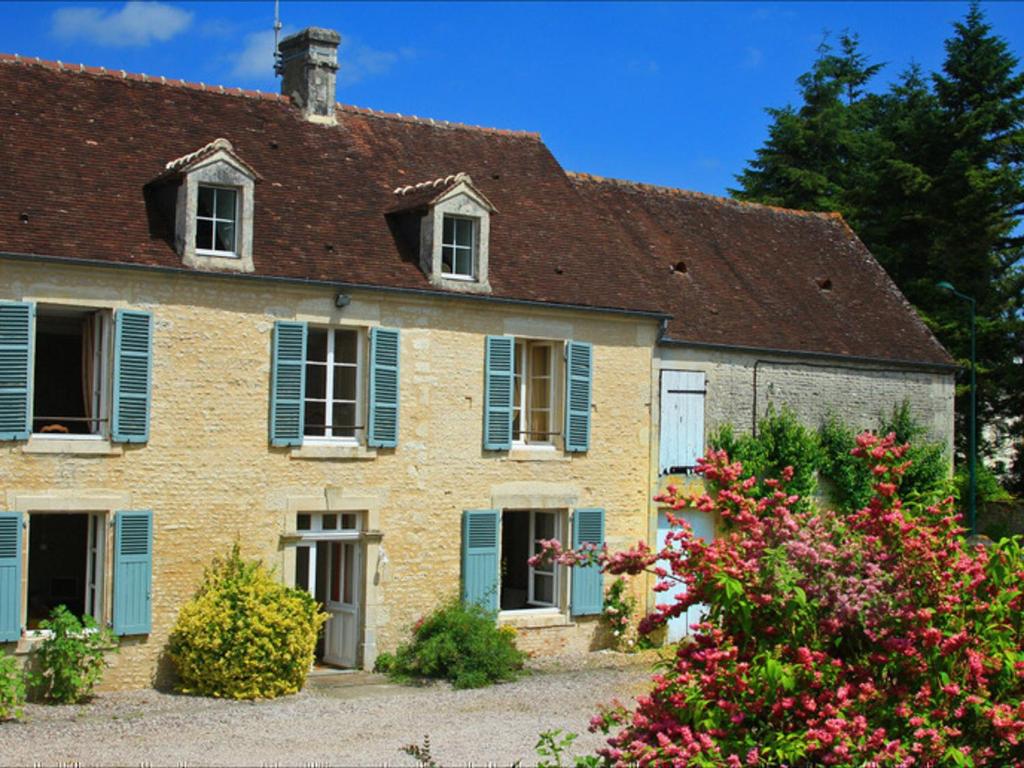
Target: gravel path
330 725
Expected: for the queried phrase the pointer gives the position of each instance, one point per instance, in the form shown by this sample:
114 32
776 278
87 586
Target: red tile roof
80 147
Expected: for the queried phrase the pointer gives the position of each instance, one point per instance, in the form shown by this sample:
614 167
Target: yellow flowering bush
244 635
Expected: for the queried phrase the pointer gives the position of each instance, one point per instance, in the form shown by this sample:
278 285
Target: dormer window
217 221
458 248
454 221
213 207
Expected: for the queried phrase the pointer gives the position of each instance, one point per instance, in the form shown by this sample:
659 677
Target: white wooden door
341 632
703 527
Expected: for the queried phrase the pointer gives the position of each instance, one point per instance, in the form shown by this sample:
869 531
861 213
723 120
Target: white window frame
103 332
214 220
552 570
522 381
474 228
95 581
360 366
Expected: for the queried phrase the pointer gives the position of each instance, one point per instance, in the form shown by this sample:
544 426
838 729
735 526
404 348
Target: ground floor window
523 586
65 564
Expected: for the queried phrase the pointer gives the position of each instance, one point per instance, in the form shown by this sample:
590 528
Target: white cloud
357 61
135 24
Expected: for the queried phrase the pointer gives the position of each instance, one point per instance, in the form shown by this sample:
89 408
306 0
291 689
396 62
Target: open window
335 374
71 384
537 382
522 586
66 564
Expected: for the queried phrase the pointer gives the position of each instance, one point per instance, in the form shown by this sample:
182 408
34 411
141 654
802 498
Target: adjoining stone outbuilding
385 354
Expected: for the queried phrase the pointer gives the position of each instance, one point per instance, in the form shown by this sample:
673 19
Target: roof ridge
60 66
675 191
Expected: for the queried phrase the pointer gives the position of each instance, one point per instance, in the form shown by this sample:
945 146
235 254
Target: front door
703 526
330 571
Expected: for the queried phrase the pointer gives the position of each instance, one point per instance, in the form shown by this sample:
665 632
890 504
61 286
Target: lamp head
945 285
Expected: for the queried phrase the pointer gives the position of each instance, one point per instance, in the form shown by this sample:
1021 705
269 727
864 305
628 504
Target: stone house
385 354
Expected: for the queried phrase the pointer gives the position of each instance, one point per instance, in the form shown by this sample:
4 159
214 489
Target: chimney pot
309 69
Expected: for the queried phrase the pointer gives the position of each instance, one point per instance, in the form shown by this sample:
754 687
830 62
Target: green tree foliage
71 659
930 174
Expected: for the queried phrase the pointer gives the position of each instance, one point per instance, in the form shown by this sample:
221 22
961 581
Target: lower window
523 586
66 553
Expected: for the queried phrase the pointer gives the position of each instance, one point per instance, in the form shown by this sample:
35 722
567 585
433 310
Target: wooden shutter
587 581
578 377
681 435
133 373
10 576
288 383
383 427
16 321
480 557
133 572
499 382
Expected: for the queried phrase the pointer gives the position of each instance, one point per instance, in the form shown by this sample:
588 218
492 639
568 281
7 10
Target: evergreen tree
930 174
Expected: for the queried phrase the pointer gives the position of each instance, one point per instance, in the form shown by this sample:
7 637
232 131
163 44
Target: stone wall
211 478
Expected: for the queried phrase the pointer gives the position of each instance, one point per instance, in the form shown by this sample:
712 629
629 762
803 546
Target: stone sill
534 619
340 452
95 446
536 453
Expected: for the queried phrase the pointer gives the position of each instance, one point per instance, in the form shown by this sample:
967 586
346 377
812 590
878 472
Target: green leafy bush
456 642
244 635
71 659
12 688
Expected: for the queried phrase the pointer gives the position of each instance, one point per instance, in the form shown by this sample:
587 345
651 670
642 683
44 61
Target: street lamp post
972 450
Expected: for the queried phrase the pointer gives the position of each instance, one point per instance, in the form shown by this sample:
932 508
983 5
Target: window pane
349 575
464 232
335 571
449 230
302 568
464 263
539 426
346 346
544 525
205 206
344 382
302 522
330 522
316 345
447 258
344 419
204 235
314 419
225 233
316 381
540 393
348 522
540 361
226 204
543 588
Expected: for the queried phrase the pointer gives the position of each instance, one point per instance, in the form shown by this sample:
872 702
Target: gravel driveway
339 722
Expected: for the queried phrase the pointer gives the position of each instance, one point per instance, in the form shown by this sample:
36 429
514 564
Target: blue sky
667 93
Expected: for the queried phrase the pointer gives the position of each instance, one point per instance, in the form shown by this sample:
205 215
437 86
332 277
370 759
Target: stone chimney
309 70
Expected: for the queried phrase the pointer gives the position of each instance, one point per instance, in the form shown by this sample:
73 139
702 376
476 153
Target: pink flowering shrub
868 637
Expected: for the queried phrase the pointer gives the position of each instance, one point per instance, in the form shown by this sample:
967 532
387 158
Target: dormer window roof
454 230
214 207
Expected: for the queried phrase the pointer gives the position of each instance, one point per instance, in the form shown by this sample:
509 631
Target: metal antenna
278 67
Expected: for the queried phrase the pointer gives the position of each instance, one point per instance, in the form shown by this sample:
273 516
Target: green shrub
244 635
12 688
71 659
458 643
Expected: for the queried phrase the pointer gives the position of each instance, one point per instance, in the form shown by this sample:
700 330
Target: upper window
681 433
71 392
334 383
458 249
535 395
217 221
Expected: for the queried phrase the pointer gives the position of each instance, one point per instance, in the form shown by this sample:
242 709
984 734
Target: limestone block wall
211 478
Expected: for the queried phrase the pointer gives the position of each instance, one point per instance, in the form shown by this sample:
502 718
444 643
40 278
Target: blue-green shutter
133 572
15 369
480 557
10 576
578 376
133 375
587 581
499 384
383 427
288 383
